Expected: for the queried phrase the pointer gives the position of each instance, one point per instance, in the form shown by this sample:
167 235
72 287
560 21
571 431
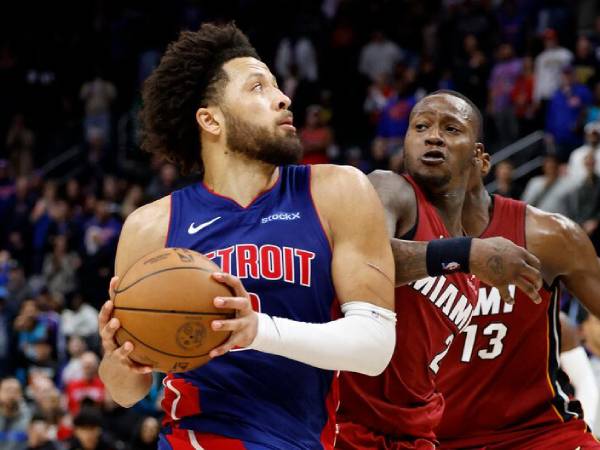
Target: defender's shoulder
553 227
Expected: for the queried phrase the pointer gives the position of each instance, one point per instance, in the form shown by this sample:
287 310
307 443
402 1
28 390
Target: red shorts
573 435
353 436
581 440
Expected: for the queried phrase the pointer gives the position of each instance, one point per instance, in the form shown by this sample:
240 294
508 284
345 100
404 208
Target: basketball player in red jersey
501 379
401 407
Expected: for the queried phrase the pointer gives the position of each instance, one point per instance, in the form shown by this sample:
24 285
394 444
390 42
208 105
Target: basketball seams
167 353
120 291
174 311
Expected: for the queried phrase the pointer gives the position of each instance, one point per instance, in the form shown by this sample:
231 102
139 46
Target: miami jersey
501 379
403 402
279 250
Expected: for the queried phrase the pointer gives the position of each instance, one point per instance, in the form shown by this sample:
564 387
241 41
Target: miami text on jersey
443 294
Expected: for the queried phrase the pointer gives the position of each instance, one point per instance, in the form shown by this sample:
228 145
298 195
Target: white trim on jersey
557 387
194 441
169 385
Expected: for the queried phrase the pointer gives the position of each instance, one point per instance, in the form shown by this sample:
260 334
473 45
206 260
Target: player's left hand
245 326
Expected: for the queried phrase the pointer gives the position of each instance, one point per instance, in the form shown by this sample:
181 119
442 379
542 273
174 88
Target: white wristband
363 341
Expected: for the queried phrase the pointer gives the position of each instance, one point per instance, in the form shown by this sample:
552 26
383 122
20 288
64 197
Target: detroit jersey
403 401
501 380
278 248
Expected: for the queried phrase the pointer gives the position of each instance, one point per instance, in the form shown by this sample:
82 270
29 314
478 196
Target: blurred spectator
6 335
80 318
583 202
88 432
501 85
593 112
74 196
547 192
102 230
60 267
380 155
76 346
378 94
472 70
548 67
17 287
566 114
134 198
20 206
49 406
87 387
354 157
511 21
101 234
164 183
316 137
14 415
40 221
36 340
296 55
393 122
98 95
111 193
146 435
522 98
7 192
379 56
38 435
503 173
577 171
585 62
20 142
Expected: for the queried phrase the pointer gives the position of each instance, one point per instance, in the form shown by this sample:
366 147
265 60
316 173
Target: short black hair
190 75
476 110
88 417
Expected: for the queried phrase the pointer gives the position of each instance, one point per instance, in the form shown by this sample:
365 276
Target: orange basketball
165 305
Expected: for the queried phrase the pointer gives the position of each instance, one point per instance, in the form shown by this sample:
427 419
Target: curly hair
190 75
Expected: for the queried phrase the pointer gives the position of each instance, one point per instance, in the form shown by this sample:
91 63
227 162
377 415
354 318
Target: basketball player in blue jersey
293 242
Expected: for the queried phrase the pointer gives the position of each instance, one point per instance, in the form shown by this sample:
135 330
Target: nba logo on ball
190 335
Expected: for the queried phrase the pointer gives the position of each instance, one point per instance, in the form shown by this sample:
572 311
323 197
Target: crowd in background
71 170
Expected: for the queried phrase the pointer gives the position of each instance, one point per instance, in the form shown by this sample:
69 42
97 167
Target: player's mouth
433 158
287 123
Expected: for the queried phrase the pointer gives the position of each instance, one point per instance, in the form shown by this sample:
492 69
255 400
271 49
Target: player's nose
435 141
433 137
282 101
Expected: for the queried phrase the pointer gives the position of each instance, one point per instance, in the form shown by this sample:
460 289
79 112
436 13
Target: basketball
164 303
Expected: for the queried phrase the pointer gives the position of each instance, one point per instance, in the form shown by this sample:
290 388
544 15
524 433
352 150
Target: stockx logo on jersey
269 262
286 216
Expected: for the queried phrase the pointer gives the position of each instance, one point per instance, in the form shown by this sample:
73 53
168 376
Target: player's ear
477 152
209 120
486 163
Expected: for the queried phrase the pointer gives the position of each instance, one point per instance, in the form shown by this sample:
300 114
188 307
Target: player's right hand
115 356
499 262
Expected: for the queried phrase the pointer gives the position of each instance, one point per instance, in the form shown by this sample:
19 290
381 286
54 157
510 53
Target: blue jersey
278 248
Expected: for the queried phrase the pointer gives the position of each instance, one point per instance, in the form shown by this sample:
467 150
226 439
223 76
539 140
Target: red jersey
79 389
403 401
501 380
